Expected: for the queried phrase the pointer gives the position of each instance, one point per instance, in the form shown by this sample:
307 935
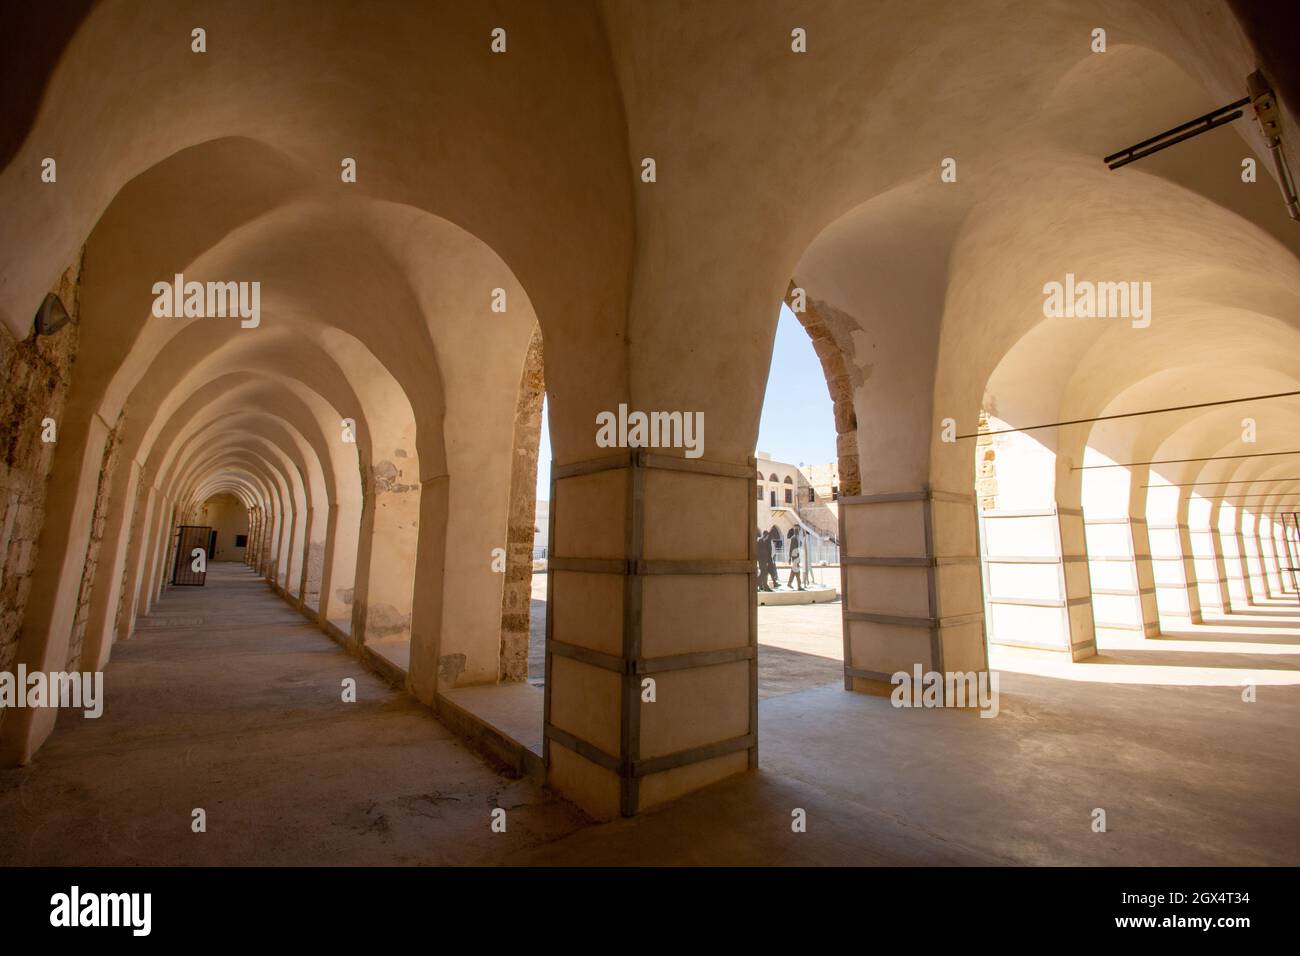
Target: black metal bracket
1264 102
1184 131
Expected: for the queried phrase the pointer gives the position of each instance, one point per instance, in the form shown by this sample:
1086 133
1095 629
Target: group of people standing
767 542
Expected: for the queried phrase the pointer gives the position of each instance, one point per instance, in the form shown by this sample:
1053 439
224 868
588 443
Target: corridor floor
228 700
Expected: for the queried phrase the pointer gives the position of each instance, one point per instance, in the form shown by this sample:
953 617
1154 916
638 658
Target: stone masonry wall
517 594
34 378
122 624
822 326
97 524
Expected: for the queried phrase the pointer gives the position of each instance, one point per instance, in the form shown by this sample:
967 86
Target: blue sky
798 423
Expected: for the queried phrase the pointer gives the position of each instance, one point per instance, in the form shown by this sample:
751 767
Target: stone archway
813 316
516 596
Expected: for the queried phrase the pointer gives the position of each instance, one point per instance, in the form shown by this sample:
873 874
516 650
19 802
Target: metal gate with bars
190 538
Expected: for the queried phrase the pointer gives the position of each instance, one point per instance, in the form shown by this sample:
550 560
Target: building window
241 541
788 480
772 478
773 504
760 492
789 496
835 493
812 495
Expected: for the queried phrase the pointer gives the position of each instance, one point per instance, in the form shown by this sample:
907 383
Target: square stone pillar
137 559
1252 558
910 581
256 539
251 547
291 575
1268 557
271 545
1289 532
1240 570
1123 585
1037 584
651 586
427 663
1283 555
159 550
1211 573
1146 575
106 596
1235 571
1078 583
1175 572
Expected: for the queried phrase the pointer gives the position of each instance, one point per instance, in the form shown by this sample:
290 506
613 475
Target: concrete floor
229 700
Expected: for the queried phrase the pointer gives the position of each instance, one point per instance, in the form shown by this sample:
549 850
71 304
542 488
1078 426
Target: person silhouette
773 538
764 560
796 557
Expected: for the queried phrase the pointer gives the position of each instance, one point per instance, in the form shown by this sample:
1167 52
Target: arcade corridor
285 288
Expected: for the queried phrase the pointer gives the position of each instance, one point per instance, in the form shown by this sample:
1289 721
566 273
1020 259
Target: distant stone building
790 495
